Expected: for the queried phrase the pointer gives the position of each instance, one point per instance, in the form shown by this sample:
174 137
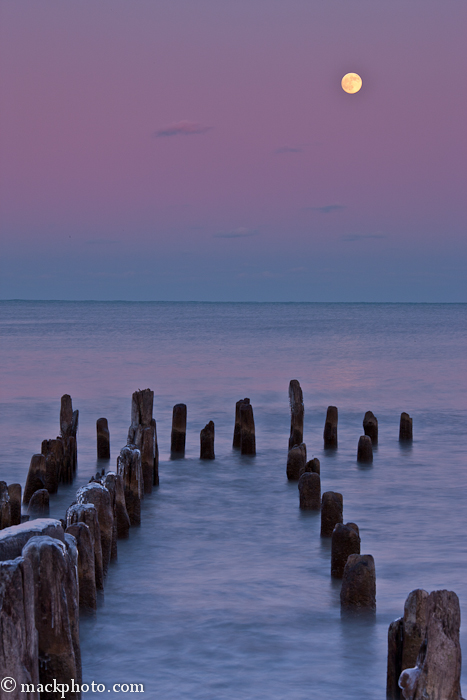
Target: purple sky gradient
204 150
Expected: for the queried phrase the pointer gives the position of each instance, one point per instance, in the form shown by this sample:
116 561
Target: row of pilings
61 566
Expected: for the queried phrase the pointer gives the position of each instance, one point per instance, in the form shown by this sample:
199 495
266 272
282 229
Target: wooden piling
331 512
178 434
405 428
297 410
365 450
207 441
330 428
237 436
103 438
370 427
247 423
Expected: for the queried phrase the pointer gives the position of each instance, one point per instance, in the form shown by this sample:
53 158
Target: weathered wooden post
296 461
309 487
36 477
143 434
178 434
312 466
86 513
365 450
405 428
86 565
345 541
331 512
56 612
14 492
5 510
99 496
68 430
207 442
330 428
297 410
103 438
129 467
370 426
54 455
247 422
237 436
358 592
39 504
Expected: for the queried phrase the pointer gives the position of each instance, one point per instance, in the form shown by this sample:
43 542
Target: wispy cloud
183 127
362 236
328 209
289 149
240 232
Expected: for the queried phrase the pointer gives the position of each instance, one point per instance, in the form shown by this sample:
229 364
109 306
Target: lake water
224 592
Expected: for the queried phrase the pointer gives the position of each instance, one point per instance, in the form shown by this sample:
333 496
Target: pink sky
205 150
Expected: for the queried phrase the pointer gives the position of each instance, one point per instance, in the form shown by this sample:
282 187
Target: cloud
361 236
183 127
240 232
289 149
328 209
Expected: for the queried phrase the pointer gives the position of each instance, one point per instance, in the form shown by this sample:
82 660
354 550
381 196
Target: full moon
351 83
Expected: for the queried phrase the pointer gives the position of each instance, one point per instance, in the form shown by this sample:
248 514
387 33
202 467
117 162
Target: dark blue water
224 593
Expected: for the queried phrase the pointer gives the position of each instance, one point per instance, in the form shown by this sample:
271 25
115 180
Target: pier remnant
13 539
99 496
68 430
207 441
370 427
313 465
5 510
87 513
143 434
36 477
178 434
330 428
39 504
331 512
129 467
103 438
297 410
358 592
296 461
237 436
405 428
309 487
54 455
14 492
345 541
86 565
247 430
365 450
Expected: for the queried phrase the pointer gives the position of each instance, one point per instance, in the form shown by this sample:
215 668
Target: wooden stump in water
14 492
36 477
86 565
207 441
365 450
39 504
296 461
345 541
370 426
405 428
330 428
103 438
309 487
143 434
297 410
68 430
5 509
99 496
178 434
358 592
247 423
54 455
129 468
237 436
87 513
312 466
331 512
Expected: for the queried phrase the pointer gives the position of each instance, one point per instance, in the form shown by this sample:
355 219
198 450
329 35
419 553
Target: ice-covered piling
345 541
331 512
330 428
358 592
237 436
296 461
297 410
247 430
365 450
207 442
36 477
39 504
178 434
437 671
14 492
309 487
13 539
103 438
86 565
370 427
129 468
405 636
405 428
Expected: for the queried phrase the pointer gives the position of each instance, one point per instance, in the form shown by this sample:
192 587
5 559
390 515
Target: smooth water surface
224 592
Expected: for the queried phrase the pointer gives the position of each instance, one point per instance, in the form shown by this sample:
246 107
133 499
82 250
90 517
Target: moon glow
351 83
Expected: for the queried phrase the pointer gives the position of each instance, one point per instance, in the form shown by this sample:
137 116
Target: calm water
224 593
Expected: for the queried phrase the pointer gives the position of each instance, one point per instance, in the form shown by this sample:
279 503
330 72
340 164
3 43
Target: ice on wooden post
237 436
247 428
405 428
178 434
345 541
309 488
365 450
331 512
103 438
296 461
358 592
207 441
330 428
297 410
370 427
